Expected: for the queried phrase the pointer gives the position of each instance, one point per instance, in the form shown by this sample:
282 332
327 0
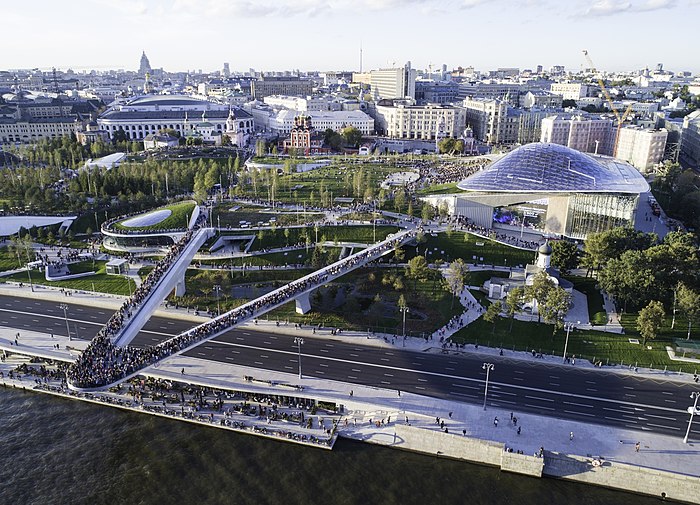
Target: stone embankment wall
466 448
637 479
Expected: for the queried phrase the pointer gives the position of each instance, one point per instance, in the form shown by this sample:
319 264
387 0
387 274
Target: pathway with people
105 363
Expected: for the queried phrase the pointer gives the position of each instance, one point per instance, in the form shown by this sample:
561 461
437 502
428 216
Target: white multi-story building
283 121
391 83
541 99
32 129
308 104
583 133
641 148
569 90
487 117
690 138
638 107
404 120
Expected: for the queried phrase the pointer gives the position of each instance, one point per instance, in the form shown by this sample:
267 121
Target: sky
269 35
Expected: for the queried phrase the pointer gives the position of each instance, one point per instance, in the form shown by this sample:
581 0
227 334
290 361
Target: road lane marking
620 403
540 399
538 407
580 405
580 413
663 426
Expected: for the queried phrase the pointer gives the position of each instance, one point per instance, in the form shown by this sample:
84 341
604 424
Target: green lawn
223 216
466 246
440 189
179 218
596 309
103 283
274 238
610 348
349 303
8 259
336 179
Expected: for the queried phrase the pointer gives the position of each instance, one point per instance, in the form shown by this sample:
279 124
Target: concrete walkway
390 407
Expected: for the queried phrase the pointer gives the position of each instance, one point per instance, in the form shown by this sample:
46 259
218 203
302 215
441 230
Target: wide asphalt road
564 391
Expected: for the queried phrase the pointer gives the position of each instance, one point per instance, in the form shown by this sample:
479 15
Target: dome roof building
553 190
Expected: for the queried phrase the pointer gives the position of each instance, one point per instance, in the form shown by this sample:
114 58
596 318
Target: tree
514 303
565 256
352 136
427 212
555 307
539 290
628 278
568 103
493 312
418 270
689 302
650 319
332 139
456 277
599 248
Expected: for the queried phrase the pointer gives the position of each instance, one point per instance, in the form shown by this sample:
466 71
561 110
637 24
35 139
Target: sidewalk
389 407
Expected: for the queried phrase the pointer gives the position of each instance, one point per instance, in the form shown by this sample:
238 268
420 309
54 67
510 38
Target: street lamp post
488 367
568 327
217 288
299 341
65 315
692 410
404 309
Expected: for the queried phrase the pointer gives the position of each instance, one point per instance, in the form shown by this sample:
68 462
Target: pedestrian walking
495 422
571 435
519 428
450 415
636 447
351 393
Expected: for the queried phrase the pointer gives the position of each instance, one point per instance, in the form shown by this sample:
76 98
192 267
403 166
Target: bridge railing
110 364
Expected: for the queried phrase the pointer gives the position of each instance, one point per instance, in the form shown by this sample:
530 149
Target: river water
56 451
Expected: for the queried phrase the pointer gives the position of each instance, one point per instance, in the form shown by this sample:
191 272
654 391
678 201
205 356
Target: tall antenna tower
360 57
55 80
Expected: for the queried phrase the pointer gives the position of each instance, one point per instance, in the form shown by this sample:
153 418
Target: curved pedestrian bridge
105 363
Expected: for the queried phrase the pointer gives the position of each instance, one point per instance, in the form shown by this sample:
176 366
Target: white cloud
613 7
652 5
607 8
127 7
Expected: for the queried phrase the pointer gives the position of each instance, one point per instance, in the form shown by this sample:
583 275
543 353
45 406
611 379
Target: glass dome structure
544 167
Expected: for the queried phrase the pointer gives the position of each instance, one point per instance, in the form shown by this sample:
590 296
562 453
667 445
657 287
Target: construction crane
620 118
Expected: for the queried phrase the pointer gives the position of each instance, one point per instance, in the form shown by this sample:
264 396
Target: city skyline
178 35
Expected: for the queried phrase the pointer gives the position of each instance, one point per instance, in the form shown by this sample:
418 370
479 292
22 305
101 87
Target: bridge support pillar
303 304
180 286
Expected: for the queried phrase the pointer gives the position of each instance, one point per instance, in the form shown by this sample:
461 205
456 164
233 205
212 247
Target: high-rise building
487 117
569 90
401 119
583 133
227 70
393 83
145 65
641 148
690 138
291 86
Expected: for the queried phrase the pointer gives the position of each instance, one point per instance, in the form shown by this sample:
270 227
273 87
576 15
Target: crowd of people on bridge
102 355
104 363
